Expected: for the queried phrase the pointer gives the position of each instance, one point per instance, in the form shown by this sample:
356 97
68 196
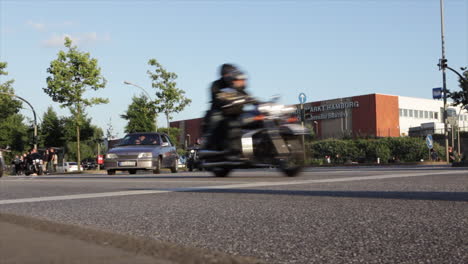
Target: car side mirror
165 144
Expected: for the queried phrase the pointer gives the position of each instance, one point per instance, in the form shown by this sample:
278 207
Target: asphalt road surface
325 215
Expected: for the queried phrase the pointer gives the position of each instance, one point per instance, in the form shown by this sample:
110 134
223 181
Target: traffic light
442 64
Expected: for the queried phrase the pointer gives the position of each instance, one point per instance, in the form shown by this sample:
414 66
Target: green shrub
340 151
371 149
399 149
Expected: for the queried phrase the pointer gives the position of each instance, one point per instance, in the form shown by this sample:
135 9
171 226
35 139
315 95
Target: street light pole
444 81
149 97
188 144
34 113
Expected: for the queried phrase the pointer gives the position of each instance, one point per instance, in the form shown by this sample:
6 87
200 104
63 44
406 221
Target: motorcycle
270 137
192 159
35 167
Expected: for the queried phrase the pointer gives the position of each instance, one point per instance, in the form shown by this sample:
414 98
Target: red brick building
364 115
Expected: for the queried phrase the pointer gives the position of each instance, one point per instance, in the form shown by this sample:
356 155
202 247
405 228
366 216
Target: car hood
133 149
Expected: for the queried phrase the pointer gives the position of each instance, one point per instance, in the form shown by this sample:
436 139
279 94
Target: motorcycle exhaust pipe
222 164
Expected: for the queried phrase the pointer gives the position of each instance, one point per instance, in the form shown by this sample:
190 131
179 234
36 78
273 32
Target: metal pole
302 124
98 154
444 81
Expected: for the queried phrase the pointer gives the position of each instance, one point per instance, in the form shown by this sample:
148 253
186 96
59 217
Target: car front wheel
157 170
175 167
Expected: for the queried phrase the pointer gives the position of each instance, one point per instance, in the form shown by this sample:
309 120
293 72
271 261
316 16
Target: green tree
461 97
141 115
89 135
52 129
169 98
72 74
13 132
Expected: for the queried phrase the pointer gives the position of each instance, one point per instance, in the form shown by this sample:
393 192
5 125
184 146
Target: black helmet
227 68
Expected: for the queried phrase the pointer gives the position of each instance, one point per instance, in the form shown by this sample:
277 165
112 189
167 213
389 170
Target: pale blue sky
326 49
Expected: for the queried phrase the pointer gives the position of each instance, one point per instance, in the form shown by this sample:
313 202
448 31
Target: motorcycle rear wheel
221 172
293 164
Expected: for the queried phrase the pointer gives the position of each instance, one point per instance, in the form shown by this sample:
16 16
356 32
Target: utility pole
444 81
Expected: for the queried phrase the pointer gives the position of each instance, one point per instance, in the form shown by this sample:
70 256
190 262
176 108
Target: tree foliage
461 97
141 115
52 129
13 132
169 98
71 75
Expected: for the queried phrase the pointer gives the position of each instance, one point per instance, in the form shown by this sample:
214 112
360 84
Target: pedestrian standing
17 163
49 160
54 159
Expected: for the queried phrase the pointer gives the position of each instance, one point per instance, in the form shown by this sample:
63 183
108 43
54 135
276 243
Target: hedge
395 149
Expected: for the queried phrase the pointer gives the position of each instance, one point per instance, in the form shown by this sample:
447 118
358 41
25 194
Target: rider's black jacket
215 88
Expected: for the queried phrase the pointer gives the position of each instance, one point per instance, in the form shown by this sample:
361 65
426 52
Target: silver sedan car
142 151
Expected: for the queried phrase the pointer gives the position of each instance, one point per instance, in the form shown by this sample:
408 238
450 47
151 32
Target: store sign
327 111
335 106
330 115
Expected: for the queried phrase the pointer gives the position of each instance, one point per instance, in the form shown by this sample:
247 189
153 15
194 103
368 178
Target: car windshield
140 139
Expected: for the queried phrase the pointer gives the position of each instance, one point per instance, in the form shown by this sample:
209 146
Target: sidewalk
29 241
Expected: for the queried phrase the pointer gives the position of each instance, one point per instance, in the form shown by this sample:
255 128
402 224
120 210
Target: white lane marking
230 186
110 181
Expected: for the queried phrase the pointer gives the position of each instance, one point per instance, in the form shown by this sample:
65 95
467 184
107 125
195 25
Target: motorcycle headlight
192 151
111 156
145 155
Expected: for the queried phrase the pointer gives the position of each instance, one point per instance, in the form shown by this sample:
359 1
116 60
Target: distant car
89 164
71 166
182 161
142 151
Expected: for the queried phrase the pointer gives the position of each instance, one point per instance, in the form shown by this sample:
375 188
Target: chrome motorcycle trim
247 143
295 129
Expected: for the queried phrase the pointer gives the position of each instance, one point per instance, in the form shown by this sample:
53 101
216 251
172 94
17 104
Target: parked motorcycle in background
36 167
271 137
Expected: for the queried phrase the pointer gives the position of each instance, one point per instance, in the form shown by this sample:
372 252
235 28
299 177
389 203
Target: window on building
421 114
416 114
410 112
431 115
436 115
405 112
401 112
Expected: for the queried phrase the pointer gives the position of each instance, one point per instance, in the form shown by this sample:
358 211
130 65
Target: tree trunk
78 146
167 118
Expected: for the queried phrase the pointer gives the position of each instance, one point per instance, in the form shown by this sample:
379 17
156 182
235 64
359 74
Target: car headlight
192 151
145 155
111 156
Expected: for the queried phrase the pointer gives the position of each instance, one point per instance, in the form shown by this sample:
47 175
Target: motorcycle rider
33 155
228 130
214 116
